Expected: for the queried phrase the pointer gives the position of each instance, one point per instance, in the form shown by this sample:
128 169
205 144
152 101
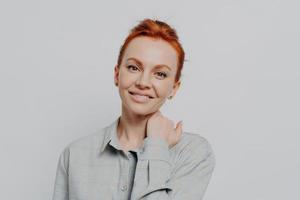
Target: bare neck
131 131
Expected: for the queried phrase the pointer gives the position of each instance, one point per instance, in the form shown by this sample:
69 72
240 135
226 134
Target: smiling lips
140 94
140 98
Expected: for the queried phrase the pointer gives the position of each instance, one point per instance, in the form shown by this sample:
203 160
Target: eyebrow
141 64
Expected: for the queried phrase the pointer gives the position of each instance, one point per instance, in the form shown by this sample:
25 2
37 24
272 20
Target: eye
132 67
162 74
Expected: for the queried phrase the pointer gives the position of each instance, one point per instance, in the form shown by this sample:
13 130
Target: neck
131 130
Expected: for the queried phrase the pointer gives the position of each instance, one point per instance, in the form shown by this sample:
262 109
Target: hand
162 127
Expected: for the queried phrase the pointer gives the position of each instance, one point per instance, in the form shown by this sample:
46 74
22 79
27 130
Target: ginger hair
158 30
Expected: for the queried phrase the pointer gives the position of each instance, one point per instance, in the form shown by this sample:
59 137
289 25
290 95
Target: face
146 75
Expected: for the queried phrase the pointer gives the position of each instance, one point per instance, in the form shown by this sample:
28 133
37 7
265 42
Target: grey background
240 87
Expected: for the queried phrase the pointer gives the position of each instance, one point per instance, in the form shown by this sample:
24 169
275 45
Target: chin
140 111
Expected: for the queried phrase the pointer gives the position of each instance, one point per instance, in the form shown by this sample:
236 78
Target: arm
61 191
156 178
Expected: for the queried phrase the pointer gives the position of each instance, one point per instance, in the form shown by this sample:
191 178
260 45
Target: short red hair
158 30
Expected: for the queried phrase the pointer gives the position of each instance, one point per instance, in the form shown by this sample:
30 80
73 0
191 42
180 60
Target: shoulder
193 148
90 142
194 159
193 142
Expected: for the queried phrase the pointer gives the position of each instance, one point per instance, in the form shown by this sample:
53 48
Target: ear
175 88
116 75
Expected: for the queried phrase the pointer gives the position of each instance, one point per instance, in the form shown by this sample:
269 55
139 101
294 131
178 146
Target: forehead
151 52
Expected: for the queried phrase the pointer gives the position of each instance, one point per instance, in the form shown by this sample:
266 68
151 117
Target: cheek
126 81
163 90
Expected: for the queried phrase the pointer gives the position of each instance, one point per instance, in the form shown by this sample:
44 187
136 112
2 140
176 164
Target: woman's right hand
162 127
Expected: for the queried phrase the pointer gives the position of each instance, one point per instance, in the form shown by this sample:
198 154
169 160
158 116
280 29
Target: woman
141 155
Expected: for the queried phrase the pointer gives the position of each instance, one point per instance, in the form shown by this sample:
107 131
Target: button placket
124 188
124 175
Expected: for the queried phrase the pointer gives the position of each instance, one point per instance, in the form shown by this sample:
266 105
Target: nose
143 81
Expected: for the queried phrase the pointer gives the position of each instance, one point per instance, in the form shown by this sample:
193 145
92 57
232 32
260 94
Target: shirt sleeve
61 191
187 178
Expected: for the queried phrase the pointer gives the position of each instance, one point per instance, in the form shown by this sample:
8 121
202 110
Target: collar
110 136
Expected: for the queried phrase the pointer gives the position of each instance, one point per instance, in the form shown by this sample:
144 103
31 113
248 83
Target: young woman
141 155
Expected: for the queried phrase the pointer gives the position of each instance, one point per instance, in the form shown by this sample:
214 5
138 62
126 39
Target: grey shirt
95 168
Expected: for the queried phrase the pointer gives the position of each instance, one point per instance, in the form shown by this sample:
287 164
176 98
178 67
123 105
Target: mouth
135 94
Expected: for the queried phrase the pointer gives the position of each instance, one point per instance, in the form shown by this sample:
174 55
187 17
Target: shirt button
124 188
